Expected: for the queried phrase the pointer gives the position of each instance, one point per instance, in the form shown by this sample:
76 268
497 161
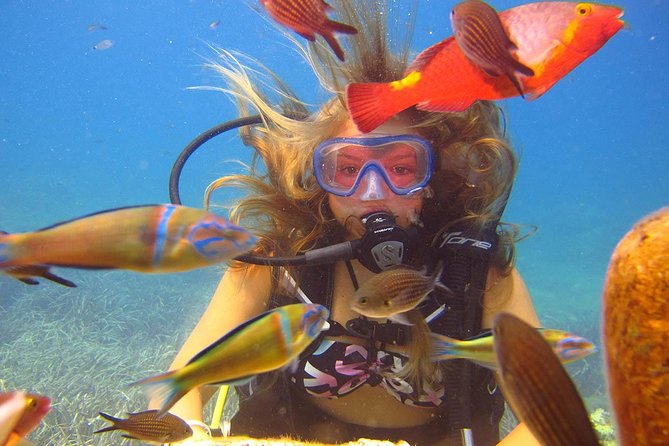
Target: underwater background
84 129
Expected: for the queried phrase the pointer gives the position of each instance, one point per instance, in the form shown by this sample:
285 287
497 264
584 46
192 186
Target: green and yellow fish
396 291
567 347
270 341
149 239
149 426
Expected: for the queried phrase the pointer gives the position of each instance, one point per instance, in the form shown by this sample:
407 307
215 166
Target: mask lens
403 161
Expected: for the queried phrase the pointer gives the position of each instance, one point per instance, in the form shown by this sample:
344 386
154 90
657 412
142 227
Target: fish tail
6 255
343 28
337 27
114 426
443 347
334 44
26 274
372 104
436 279
167 388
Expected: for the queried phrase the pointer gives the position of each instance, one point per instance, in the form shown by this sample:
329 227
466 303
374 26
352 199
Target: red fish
307 18
481 37
552 39
150 239
20 413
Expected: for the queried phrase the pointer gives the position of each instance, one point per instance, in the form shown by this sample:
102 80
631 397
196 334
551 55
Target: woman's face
349 210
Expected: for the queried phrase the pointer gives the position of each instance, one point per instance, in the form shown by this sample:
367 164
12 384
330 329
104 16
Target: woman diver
431 188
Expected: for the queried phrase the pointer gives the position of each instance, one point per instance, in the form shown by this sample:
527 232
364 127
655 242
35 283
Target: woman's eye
401 170
349 170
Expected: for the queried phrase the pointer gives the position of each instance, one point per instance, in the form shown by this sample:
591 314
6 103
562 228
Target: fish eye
362 301
583 8
386 303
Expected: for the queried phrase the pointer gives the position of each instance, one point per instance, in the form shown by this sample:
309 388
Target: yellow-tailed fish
568 347
270 341
535 384
481 36
149 426
149 239
396 291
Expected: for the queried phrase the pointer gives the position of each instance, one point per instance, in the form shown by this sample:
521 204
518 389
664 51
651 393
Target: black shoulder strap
466 258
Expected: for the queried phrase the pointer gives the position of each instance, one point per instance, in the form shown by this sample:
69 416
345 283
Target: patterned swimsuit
336 369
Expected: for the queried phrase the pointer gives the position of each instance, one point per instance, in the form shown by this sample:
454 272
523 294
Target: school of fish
552 38
149 239
270 341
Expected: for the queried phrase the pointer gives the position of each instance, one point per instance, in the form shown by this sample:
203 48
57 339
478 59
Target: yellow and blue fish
150 239
270 341
568 347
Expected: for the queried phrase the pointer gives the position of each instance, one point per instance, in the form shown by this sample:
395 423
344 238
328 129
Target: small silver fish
103 45
95 26
214 24
396 291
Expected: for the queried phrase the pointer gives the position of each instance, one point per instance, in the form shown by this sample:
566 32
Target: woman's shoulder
507 292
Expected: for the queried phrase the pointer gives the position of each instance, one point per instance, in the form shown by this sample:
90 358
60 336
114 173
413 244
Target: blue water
84 130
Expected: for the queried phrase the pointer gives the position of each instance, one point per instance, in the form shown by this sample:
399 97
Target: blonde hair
284 205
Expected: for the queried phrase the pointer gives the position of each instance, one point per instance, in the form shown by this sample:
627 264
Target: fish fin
516 83
449 107
372 104
537 386
111 419
165 388
426 56
309 36
227 336
28 281
25 274
521 68
538 92
334 44
443 347
401 318
443 288
106 211
342 28
130 437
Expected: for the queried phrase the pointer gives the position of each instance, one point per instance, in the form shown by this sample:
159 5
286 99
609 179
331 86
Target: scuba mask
384 244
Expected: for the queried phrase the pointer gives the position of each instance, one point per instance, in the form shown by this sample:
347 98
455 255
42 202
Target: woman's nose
373 187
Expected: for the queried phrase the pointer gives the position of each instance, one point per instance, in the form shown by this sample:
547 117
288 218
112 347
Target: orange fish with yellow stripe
552 38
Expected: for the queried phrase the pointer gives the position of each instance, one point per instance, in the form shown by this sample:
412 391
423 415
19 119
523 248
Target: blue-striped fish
481 36
150 239
567 347
270 341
